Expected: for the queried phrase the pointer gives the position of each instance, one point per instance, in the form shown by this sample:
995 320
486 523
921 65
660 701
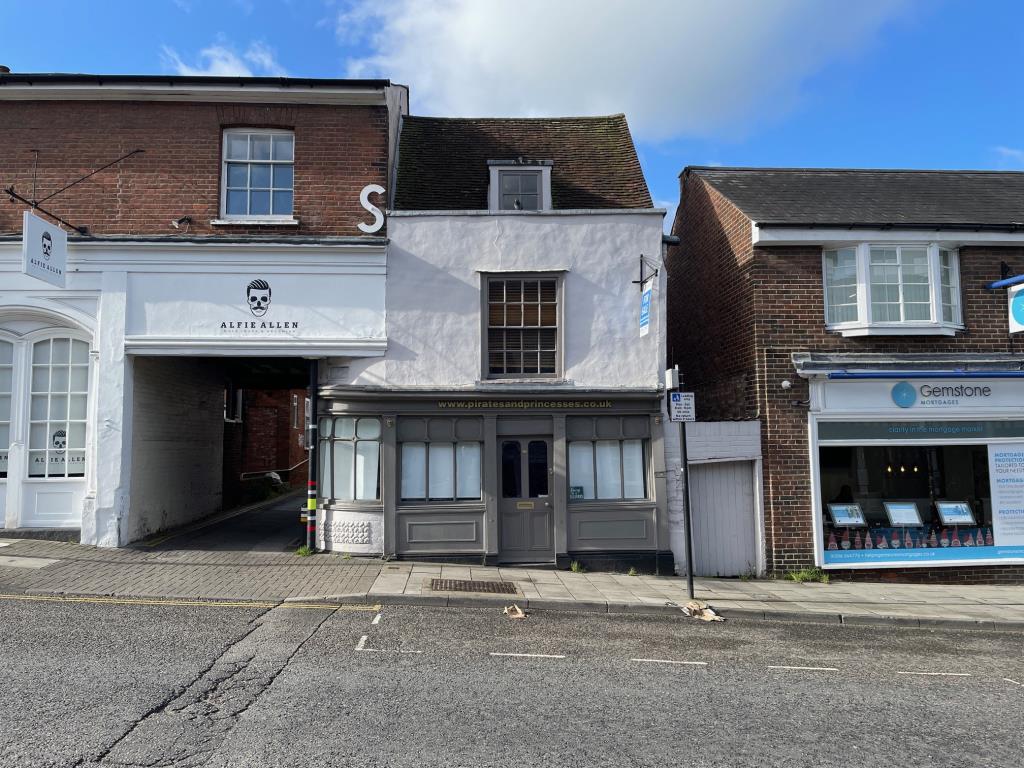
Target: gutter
958 374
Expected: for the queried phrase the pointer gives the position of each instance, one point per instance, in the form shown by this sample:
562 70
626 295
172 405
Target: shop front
114 391
503 477
918 469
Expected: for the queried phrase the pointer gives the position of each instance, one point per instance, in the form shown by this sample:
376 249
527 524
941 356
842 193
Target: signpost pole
688 532
312 438
683 409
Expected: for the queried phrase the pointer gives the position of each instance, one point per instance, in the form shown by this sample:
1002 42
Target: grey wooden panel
440 532
611 527
524 425
724 533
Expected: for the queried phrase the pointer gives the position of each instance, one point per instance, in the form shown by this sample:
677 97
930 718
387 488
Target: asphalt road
143 685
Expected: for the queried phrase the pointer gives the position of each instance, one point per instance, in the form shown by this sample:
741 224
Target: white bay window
892 290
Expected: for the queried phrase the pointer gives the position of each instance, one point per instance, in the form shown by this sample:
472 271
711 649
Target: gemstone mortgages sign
44 250
1016 294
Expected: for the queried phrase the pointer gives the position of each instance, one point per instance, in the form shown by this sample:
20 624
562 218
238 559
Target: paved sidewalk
35 567
982 607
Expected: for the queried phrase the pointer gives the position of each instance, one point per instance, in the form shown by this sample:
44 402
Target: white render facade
141 331
436 402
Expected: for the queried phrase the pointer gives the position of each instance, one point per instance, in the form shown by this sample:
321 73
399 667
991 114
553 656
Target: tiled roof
442 162
801 197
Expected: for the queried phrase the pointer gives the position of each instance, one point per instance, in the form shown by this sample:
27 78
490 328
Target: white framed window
6 393
607 469
58 398
350 458
258 175
519 186
892 289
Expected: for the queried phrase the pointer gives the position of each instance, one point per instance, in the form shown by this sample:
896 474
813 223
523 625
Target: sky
804 83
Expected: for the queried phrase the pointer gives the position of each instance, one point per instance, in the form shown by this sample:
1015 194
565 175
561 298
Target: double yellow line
187 603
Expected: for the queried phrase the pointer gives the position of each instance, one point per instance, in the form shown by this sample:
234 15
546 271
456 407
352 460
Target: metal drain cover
462 585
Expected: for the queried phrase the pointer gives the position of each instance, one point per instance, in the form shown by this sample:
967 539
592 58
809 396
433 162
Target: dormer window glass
520 190
519 185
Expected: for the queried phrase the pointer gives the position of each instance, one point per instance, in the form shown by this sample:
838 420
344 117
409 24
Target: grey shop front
510 477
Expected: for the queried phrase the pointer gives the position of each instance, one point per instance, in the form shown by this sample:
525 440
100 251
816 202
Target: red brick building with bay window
851 313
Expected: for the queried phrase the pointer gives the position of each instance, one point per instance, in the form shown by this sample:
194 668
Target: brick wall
711 303
736 315
338 151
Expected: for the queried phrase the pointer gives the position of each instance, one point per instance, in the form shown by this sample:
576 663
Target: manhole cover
461 585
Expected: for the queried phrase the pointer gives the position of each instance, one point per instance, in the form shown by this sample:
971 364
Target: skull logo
60 441
257 294
47 245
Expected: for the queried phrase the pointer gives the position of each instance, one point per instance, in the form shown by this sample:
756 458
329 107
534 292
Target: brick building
850 317
227 237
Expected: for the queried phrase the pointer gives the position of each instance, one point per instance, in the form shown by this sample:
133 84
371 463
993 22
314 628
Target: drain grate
462 585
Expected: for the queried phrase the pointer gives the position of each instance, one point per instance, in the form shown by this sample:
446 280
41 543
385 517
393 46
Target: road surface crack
186 729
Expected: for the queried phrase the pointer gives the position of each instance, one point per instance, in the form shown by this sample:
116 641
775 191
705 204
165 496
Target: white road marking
672 661
936 674
362 642
376 619
530 655
1013 681
805 669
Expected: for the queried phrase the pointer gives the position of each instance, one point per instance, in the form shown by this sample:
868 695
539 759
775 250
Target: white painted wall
161 298
434 288
177 446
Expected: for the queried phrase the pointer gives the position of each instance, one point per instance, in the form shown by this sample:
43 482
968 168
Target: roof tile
442 162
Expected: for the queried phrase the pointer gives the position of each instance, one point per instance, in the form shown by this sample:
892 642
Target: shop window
258 175
350 458
6 392
607 469
892 290
901 503
58 398
439 471
522 327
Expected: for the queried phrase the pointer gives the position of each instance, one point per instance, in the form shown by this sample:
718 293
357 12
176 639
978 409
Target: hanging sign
645 311
1016 298
683 407
44 250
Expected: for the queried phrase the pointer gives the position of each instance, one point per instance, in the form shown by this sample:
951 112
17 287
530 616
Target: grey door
526 516
724 519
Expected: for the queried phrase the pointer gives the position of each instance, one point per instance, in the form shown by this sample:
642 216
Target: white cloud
1010 156
220 59
675 67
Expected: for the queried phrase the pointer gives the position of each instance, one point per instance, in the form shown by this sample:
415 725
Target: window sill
254 222
895 330
546 380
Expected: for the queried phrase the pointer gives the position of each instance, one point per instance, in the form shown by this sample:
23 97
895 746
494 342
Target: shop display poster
955 513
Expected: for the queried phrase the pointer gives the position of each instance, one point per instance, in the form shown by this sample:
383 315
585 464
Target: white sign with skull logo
44 250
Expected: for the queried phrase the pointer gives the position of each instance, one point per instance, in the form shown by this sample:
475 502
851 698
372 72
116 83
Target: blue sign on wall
645 311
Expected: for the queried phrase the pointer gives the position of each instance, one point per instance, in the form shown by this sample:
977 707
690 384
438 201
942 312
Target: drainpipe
312 444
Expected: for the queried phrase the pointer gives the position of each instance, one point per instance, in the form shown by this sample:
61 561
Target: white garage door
724 518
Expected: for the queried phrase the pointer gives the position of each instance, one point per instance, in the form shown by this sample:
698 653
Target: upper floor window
258 179
522 327
519 185
892 290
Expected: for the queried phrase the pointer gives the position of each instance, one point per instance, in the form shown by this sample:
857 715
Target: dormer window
520 190
519 185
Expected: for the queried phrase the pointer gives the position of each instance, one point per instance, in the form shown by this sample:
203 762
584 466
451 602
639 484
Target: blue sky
876 83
